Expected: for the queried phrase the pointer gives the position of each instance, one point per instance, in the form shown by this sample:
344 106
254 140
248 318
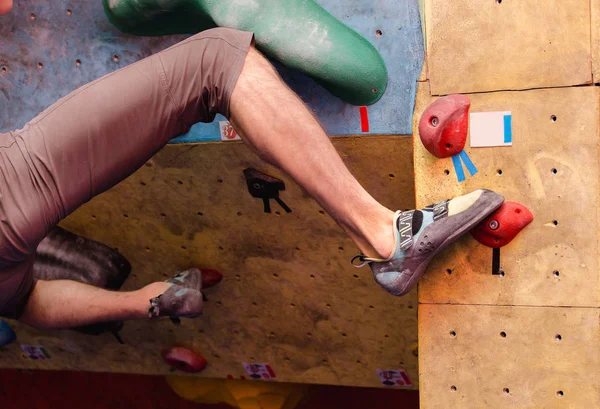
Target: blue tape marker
507 128
468 163
460 173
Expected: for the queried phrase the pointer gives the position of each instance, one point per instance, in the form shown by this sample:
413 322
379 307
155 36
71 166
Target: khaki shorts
98 135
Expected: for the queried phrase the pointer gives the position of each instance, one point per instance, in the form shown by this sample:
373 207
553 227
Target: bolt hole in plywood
503 334
553 118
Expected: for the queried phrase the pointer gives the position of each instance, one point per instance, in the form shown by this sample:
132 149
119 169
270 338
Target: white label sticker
227 132
393 377
35 352
490 129
260 371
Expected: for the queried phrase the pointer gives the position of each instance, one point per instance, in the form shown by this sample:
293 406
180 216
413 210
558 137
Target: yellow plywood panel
289 297
569 197
509 357
475 46
595 39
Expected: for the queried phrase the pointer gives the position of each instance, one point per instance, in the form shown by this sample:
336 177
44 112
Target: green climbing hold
298 33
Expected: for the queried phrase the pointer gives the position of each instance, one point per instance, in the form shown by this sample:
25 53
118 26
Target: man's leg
87 142
294 141
5 6
67 304
399 245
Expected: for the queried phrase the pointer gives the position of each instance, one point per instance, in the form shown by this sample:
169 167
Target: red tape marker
364 119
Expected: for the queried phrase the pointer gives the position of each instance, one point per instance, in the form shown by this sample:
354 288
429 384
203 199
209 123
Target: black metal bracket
265 187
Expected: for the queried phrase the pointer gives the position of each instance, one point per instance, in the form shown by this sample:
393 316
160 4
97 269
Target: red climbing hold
184 359
444 124
210 277
503 225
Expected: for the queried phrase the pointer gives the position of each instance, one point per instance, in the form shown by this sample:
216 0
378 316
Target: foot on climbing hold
499 228
184 359
299 33
421 234
444 125
182 299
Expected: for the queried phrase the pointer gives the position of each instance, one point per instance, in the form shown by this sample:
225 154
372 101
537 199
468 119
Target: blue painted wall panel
56 39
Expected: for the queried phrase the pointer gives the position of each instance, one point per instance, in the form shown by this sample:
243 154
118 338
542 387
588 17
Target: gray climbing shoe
421 234
183 299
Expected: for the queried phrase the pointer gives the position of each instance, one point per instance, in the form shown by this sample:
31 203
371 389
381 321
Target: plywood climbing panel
508 357
475 46
289 297
527 337
552 168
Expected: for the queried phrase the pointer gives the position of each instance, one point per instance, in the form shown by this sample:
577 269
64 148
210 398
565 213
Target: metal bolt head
494 225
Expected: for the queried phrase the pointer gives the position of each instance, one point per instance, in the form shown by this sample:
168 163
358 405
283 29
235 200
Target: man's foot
421 234
182 299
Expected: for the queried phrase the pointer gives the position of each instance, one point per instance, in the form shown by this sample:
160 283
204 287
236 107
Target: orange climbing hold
184 359
444 125
503 225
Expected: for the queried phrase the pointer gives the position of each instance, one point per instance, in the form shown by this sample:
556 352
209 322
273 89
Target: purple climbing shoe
183 299
421 234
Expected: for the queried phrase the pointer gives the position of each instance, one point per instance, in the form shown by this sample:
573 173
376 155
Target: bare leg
5 6
66 304
295 142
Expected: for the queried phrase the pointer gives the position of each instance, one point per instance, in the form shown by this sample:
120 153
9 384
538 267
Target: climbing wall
49 48
529 336
289 298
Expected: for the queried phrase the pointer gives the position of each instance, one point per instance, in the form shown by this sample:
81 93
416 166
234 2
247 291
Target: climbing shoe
183 299
421 234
